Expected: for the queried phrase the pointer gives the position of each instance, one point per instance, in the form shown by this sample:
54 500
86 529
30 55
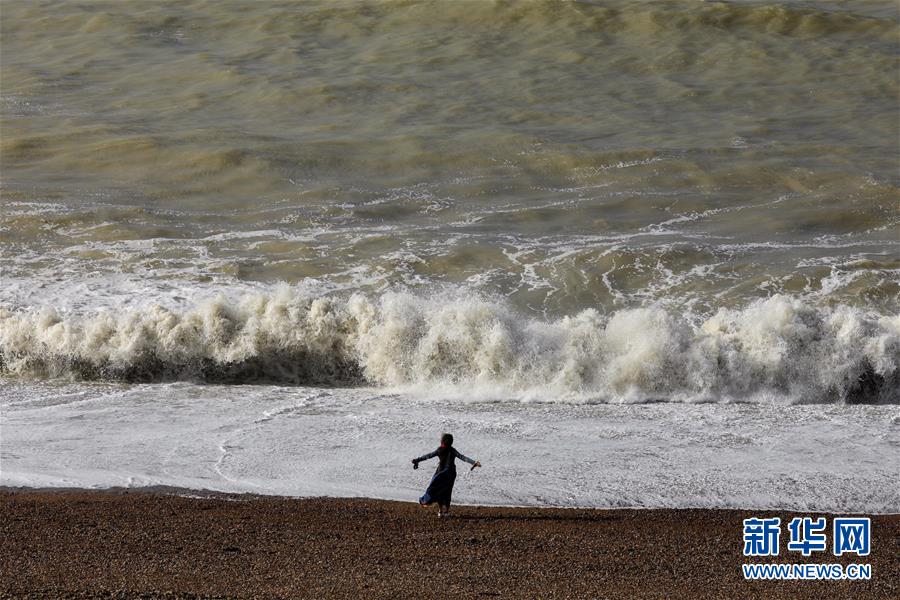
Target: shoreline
203 494
623 456
128 543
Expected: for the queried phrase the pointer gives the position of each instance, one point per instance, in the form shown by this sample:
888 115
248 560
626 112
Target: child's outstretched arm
462 456
416 461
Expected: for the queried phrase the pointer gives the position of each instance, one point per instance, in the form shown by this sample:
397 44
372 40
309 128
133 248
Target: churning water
576 202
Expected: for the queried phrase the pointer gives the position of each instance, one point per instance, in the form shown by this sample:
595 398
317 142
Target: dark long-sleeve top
451 457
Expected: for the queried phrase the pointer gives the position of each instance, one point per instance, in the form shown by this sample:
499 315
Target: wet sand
127 544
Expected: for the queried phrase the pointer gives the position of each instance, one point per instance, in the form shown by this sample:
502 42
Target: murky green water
487 160
567 154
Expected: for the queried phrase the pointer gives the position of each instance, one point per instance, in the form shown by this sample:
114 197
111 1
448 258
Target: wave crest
774 348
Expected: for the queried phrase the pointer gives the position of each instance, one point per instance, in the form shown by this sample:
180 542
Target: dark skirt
440 489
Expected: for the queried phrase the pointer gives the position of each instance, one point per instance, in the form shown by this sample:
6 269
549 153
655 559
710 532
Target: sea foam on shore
300 441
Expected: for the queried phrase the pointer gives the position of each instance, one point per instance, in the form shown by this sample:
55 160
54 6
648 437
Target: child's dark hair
444 450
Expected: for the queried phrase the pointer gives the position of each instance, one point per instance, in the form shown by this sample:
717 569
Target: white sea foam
774 348
309 442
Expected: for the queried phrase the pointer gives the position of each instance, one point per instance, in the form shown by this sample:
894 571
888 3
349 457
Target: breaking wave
778 348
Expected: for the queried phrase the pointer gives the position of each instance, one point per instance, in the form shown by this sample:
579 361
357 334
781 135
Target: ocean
630 253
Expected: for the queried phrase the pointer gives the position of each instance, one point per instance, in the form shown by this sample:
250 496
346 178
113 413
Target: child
441 487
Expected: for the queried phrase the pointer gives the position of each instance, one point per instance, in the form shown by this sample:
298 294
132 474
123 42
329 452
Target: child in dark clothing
440 489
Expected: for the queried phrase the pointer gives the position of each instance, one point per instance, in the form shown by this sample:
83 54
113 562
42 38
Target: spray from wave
774 348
